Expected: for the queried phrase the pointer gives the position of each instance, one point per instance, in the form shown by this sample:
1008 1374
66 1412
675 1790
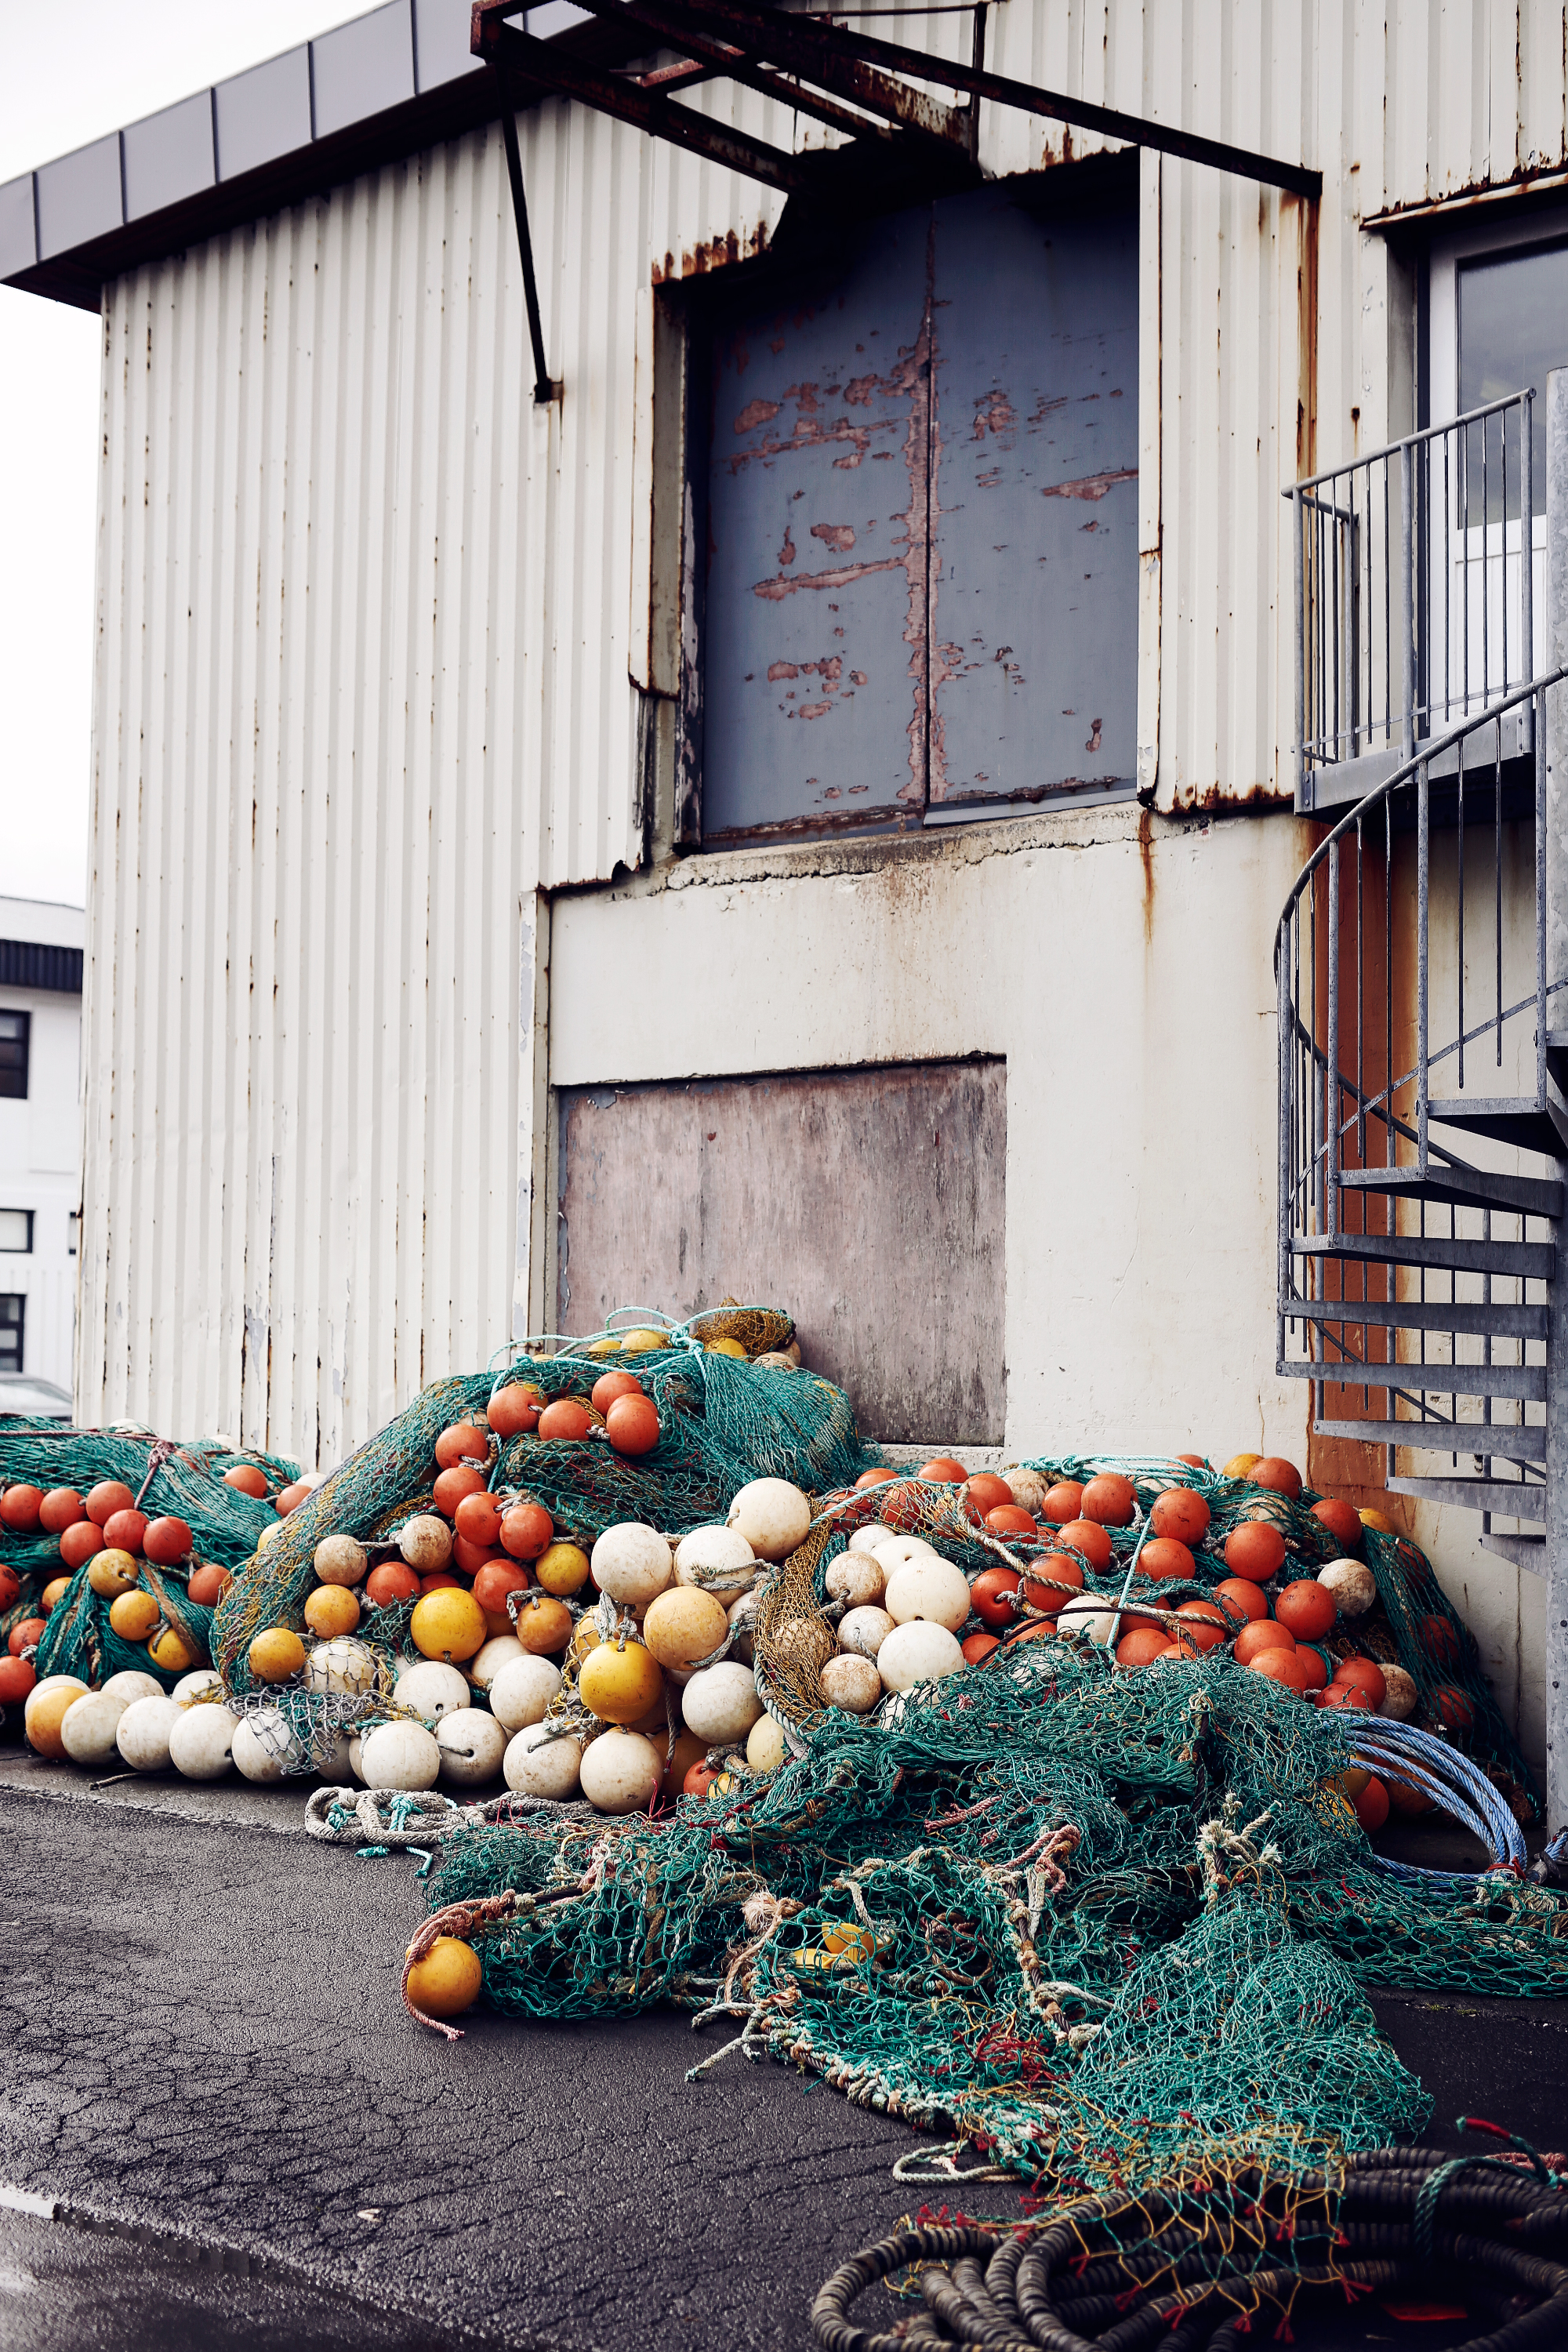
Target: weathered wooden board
870 1203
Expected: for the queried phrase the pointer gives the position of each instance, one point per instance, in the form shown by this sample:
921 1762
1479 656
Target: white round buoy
425 1543
717 1558
356 1760
917 1651
201 1744
264 1742
632 1563
932 1589
620 1770
193 1686
765 1749
852 1682
129 1684
1353 1585
522 1690
865 1539
720 1704
539 1762
773 1515
401 1756
893 1550
338 1559
472 1744
857 1579
1400 1700
503 1650
431 1689
142 1734
1100 1625
88 1729
342 1664
862 1631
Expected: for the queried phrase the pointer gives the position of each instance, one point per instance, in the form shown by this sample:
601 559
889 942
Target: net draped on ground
1081 1919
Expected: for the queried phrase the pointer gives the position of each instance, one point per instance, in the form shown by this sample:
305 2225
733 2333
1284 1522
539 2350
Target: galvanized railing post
1407 596
1423 960
1331 1044
1303 802
1552 778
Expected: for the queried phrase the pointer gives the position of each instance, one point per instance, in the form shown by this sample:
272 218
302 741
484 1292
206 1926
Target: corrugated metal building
420 1005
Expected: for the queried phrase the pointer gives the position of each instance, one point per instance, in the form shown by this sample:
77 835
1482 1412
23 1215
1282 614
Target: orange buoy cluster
104 1532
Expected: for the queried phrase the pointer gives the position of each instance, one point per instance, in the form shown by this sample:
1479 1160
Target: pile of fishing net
182 1478
1071 1916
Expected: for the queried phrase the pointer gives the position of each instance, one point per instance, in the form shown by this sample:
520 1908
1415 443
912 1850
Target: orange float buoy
567 1420
1281 1477
1280 1666
1241 1599
1342 1521
1165 1559
1264 1634
1010 1520
632 1424
991 1595
1307 1608
515 1410
462 1441
452 1486
1142 1646
247 1478
609 1386
110 1495
1255 1549
392 1581
1090 1538
978 1648
1207 1627
1371 1805
1346 1694
208 1583
81 1541
944 1469
1363 1674
478 1519
986 1491
527 1531
1061 1568
1180 1514
20 1505
165 1541
1108 1498
61 1508
1063 1503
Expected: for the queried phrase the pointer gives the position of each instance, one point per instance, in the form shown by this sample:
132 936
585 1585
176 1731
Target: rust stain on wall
1091 486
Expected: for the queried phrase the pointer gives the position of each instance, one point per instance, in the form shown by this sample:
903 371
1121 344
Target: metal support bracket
546 387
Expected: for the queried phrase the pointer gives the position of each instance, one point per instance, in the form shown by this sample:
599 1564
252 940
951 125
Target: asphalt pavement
225 2127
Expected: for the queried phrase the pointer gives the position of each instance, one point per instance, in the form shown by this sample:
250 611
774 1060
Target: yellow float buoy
620 1685
448 1623
276 1653
447 1979
133 1615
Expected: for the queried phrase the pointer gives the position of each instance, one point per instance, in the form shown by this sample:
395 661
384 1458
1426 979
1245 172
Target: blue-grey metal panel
441 51
18 227
364 67
79 197
815 654
1034 500
170 156
263 113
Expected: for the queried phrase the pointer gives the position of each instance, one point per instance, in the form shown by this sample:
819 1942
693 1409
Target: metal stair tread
1439 1437
1522 1382
1533 1261
1502 1496
1536 1196
1527 1124
1497 1318
1524 1551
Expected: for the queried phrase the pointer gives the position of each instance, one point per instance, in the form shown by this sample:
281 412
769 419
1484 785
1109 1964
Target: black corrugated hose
1184 2268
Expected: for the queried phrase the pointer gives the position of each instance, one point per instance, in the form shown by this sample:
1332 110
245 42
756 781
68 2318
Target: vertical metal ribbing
1387 617
1460 852
1551 831
1360 1003
1497 894
1542 1008
1388 989
1353 666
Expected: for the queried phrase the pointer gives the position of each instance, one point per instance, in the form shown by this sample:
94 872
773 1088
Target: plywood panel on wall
870 1203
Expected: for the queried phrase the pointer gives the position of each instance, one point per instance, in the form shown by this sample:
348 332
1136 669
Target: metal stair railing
1372 1260
1415 603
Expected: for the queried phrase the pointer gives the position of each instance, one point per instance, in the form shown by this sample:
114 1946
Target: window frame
18 1299
26 1249
24 1015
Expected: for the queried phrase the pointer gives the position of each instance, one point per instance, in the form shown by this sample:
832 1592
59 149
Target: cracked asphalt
204 2047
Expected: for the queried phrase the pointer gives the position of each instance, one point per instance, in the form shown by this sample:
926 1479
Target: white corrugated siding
363 665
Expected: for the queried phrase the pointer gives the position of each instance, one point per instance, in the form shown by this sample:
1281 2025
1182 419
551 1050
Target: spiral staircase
1421 963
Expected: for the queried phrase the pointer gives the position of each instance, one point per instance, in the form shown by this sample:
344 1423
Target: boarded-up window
920 543
870 1203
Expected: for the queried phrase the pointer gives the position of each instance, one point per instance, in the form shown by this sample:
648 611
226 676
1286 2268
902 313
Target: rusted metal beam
816 53
545 389
673 30
646 111
821 51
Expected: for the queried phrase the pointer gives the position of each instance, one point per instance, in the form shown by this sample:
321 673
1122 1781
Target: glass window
14 1033
1513 328
73 1232
15 1229
13 1313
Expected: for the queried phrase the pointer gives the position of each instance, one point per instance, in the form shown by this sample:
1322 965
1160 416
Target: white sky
69 74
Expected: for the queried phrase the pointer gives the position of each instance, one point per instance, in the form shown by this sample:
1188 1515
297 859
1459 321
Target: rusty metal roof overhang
851 82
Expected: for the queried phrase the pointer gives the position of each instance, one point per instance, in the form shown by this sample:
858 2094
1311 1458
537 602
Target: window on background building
921 492
1513 330
17 1230
14 1028
12 1316
73 1232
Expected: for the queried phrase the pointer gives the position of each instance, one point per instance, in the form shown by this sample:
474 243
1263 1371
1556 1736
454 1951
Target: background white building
453 967
40 1138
